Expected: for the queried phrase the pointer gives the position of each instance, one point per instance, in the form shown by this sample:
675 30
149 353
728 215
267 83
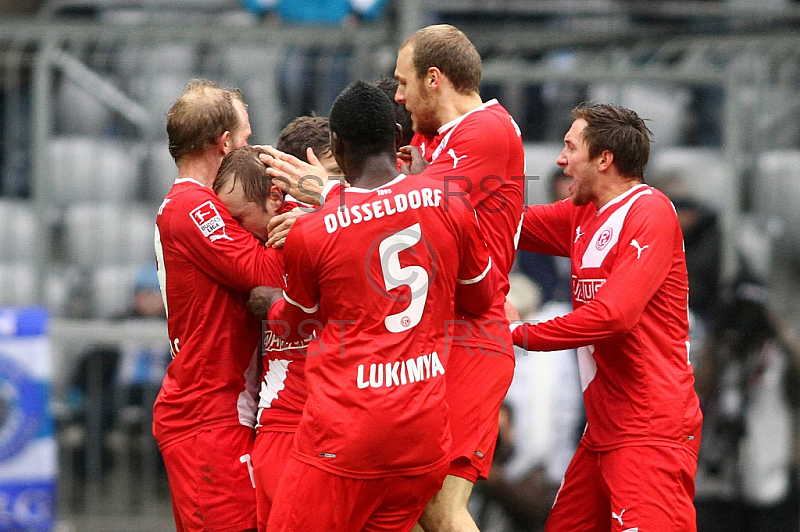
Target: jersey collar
453 123
622 197
394 181
189 180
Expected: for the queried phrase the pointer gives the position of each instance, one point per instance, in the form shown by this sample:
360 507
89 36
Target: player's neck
201 168
615 188
456 104
371 172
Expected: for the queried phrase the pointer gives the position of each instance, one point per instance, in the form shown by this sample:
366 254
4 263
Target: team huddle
338 321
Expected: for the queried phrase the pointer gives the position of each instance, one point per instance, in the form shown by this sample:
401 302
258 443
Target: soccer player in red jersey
635 466
282 394
476 148
204 414
379 264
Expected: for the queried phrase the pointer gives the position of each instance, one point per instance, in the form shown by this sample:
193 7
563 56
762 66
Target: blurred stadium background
84 85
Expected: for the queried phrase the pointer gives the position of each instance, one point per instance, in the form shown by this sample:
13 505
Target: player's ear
398 137
433 78
605 160
337 146
275 193
225 143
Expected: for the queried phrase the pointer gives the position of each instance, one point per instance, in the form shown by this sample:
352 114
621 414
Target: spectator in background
313 76
702 236
550 273
142 367
748 380
116 383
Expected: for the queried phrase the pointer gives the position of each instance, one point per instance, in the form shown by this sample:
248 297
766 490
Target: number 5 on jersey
395 276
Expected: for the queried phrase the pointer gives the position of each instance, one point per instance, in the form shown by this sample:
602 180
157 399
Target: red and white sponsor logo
585 290
206 217
273 342
604 238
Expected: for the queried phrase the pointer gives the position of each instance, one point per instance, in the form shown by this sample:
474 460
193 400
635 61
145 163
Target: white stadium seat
109 234
78 112
112 290
540 161
704 173
161 171
19 283
776 193
21 238
93 169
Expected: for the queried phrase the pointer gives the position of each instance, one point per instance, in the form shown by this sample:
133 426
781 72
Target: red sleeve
547 229
302 290
476 284
469 162
299 309
631 284
221 248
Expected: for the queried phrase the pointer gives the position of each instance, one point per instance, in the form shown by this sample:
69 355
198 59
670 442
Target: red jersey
207 265
283 386
481 154
379 269
630 323
426 145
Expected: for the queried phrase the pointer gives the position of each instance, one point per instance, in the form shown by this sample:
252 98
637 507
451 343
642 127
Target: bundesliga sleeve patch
206 217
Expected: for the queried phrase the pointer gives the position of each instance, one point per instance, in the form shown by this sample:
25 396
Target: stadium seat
112 290
78 112
109 234
94 169
22 237
776 189
540 161
252 69
161 171
664 107
65 291
19 281
704 173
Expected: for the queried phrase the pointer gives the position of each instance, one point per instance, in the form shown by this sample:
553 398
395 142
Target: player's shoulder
490 122
493 114
650 203
187 193
649 197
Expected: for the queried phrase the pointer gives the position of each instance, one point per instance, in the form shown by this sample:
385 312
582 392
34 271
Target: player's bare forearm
262 298
512 314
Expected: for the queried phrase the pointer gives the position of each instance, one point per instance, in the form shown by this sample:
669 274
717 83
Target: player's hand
262 298
279 227
511 312
302 180
413 161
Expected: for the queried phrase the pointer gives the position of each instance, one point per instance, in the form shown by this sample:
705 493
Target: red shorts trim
271 452
312 499
632 488
476 387
210 480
